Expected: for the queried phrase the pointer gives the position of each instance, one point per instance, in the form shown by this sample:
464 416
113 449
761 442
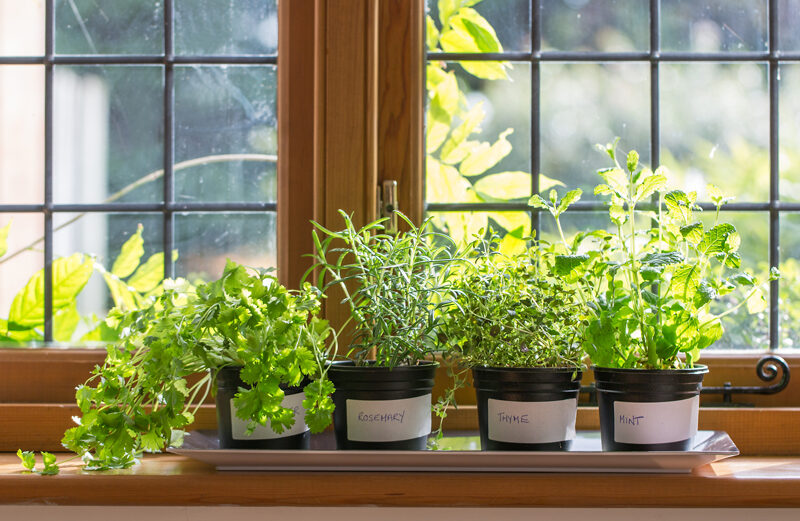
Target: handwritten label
655 422
532 422
388 420
290 401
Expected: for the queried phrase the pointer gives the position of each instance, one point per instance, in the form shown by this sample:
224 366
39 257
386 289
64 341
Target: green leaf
570 265
485 157
685 281
546 183
693 232
537 202
710 334
65 322
70 275
717 196
129 255
83 397
150 273
650 185
662 259
457 147
431 34
447 8
4 238
715 240
121 294
27 458
50 466
570 197
679 206
733 242
616 180
504 186
152 442
743 279
617 214
470 33
632 160
443 105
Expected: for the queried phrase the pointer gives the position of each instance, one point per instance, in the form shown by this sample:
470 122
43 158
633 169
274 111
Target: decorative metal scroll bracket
769 368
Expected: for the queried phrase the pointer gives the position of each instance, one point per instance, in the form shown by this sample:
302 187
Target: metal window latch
387 204
768 368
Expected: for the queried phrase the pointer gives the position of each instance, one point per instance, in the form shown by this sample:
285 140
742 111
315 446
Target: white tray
461 454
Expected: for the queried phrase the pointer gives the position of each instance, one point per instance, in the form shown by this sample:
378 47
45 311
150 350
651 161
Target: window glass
109 26
214 27
583 25
714 25
508 19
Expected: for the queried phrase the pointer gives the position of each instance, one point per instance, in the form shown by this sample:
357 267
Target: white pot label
532 422
388 420
290 401
655 422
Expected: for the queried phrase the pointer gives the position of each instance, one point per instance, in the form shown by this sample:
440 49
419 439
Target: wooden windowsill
175 480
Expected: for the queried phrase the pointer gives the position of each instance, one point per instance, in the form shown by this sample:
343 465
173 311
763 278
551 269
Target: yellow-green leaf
511 246
454 150
616 179
431 34
129 255
444 184
546 183
485 157
122 295
756 302
150 273
505 185
4 238
65 322
70 275
513 222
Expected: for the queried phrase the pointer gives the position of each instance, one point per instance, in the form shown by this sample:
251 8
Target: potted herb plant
258 340
517 325
394 286
651 283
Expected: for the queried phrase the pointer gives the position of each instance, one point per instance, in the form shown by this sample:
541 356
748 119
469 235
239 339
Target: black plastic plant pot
648 409
232 430
523 408
378 408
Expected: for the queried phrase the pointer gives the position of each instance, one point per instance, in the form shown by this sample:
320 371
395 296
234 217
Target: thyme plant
513 312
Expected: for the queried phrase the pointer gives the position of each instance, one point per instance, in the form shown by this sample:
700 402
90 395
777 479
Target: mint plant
650 288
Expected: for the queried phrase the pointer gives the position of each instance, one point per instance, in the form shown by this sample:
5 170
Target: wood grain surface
174 480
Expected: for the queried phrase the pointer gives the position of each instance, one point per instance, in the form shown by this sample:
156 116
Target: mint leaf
662 259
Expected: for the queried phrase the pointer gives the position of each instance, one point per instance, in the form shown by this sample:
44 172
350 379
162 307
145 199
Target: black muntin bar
142 207
637 56
600 206
139 59
774 174
655 96
536 99
49 50
169 148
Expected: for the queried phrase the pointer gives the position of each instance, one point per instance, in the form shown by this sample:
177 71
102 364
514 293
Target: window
115 115
701 87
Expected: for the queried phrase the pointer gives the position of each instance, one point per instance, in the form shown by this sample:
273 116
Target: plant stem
152 176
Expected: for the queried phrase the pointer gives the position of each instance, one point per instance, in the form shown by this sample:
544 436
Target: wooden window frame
350 114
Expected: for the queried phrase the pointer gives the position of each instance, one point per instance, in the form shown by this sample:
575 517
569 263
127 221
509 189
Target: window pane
102 235
510 19
107 133
586 104
582 25
21 262
789 132
492 162
21 27
715 127
21 134
789 21
214 27
109 26
226 115
204 241
790 281
743 330
714 25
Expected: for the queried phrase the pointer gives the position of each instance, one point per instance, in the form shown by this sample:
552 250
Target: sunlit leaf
485 158
454 150
4 238
756 302
150 273
505 185
431 34
129 255
65 322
